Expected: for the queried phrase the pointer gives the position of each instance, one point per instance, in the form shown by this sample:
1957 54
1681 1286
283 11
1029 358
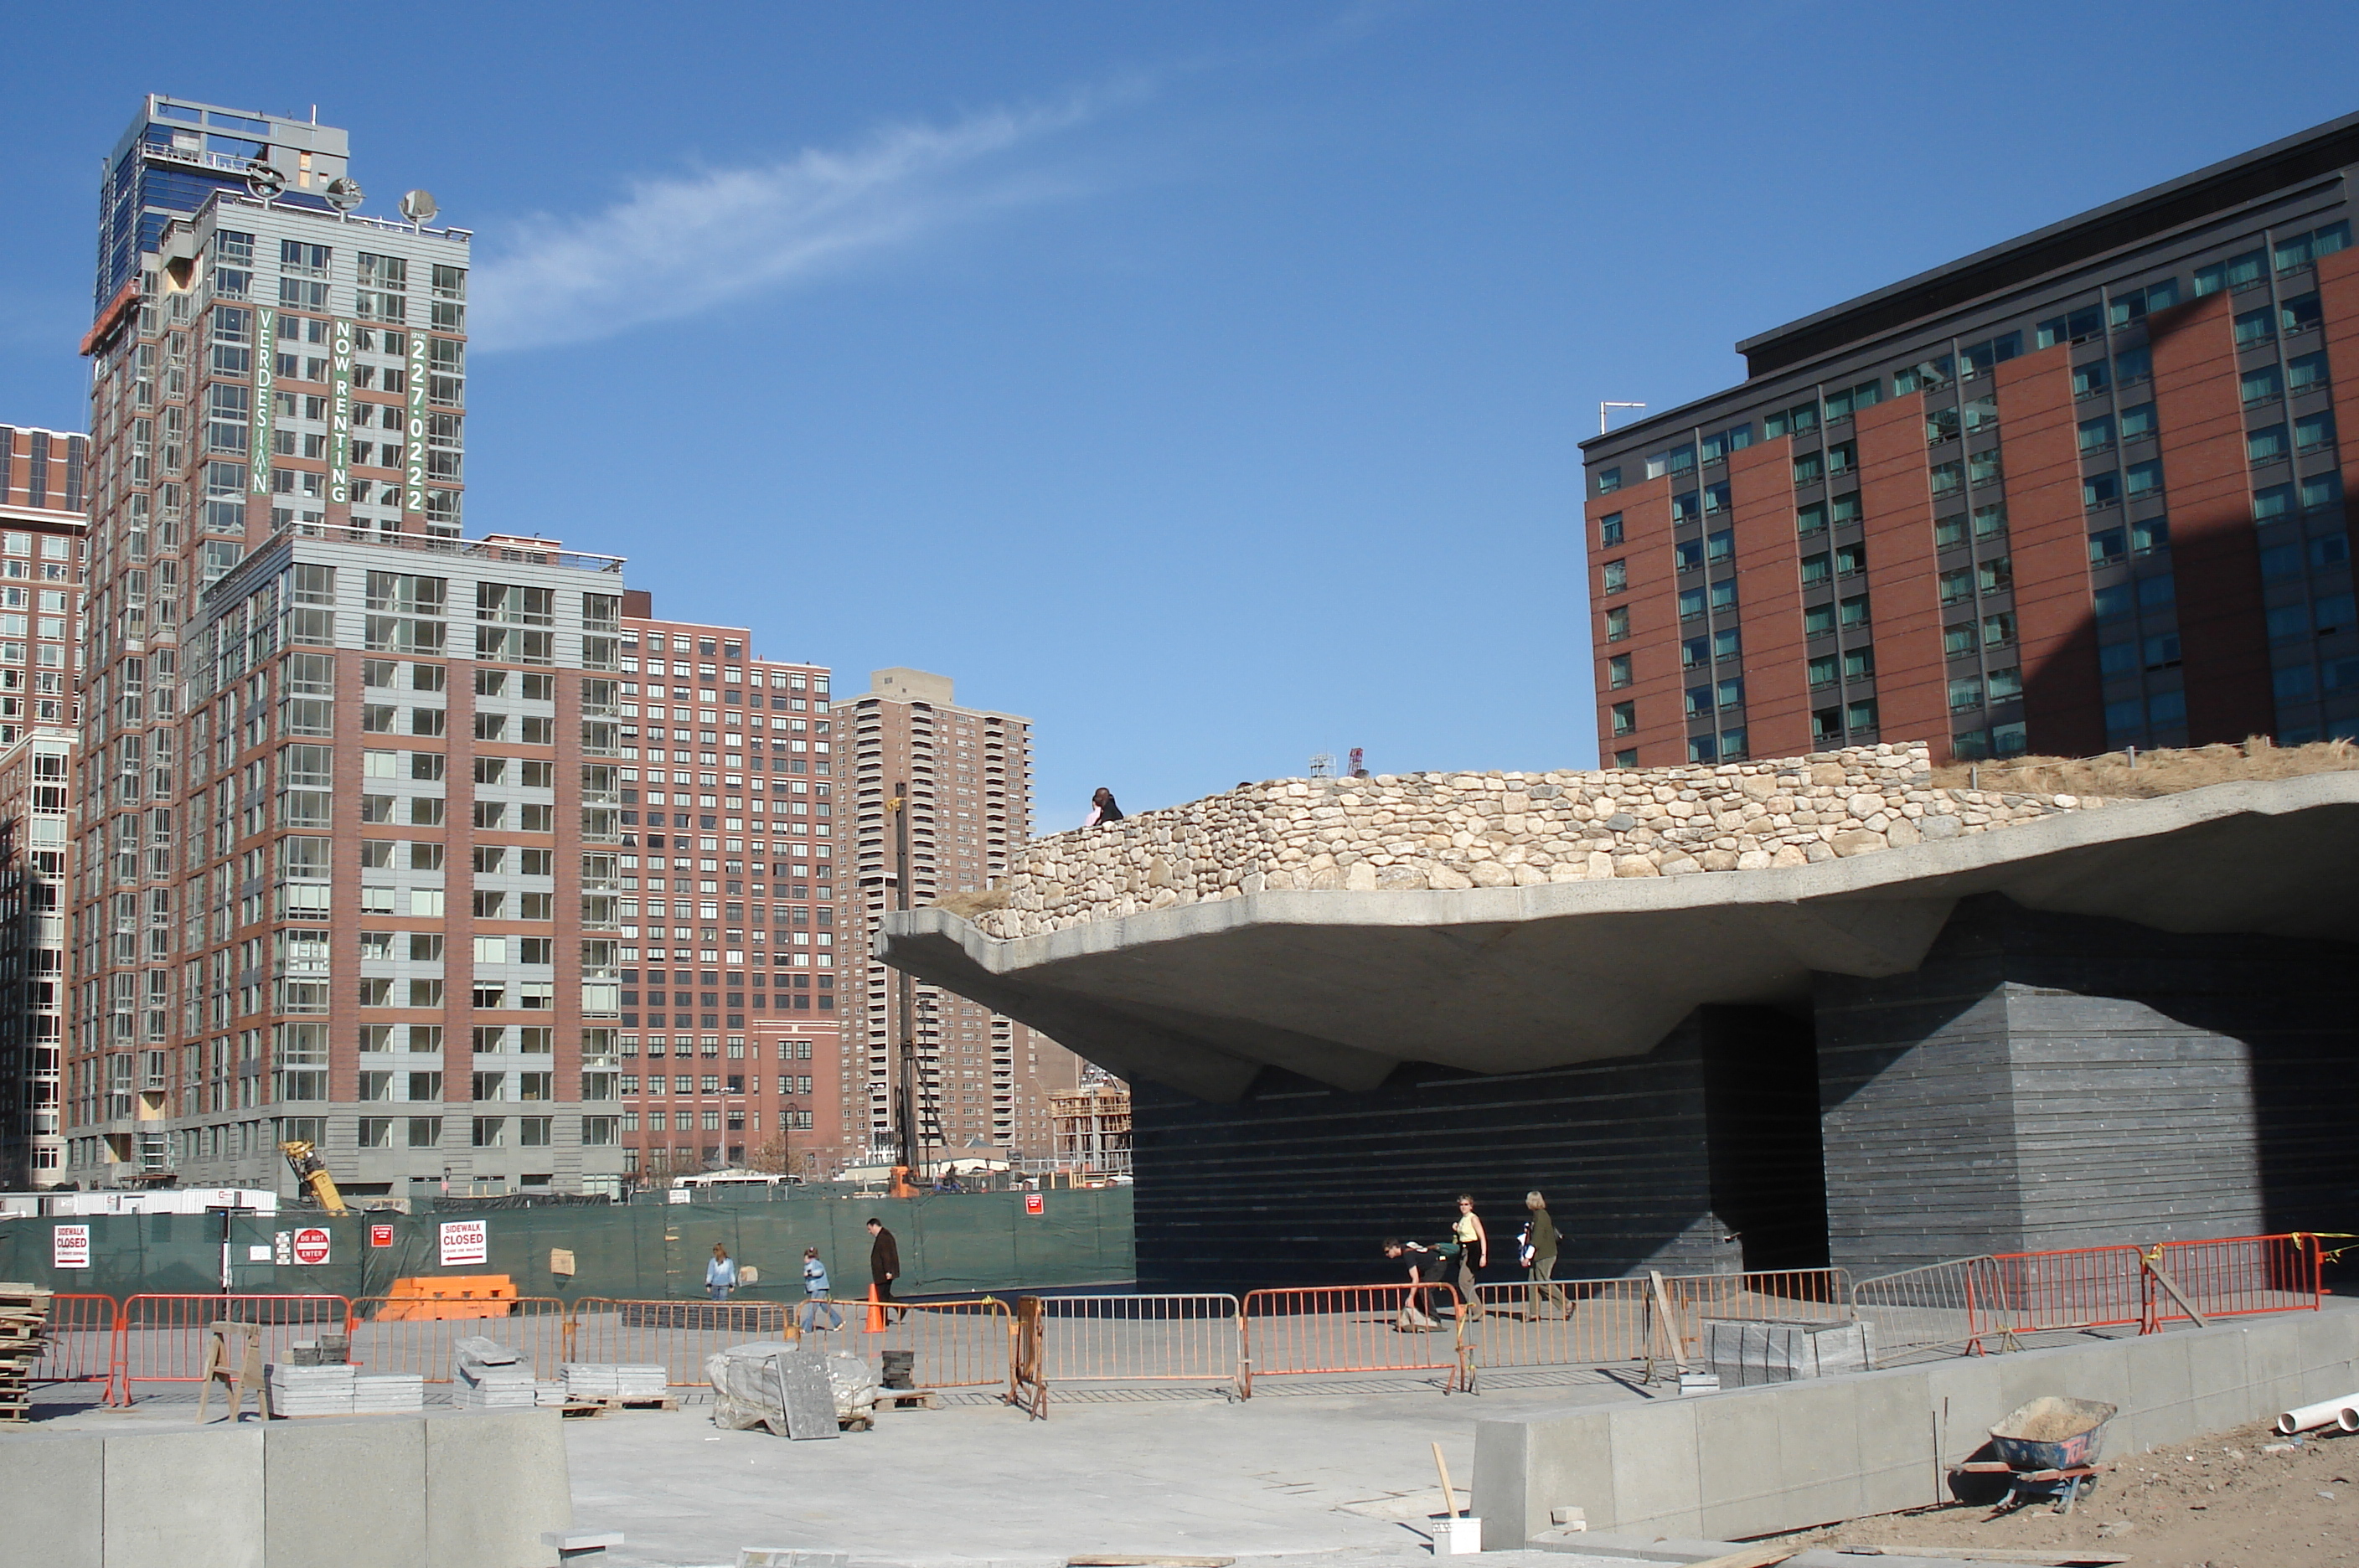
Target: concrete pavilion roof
1342 986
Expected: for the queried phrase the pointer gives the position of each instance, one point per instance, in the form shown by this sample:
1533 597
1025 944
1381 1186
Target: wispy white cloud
678 247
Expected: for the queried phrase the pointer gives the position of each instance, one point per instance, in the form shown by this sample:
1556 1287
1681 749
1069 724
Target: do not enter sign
312 1246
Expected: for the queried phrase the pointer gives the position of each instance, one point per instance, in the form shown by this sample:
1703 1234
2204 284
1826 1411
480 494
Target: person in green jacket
1540 1257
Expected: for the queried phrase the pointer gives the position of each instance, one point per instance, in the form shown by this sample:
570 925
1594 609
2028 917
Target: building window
1617 671
1617 625
1614 577
1624 718
1609 530
1609 479
1822 670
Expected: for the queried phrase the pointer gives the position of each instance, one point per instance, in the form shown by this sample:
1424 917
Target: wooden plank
2048 1557
1751 1557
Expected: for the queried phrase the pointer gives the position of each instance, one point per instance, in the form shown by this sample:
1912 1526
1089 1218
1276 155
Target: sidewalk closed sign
70 1247
465 1242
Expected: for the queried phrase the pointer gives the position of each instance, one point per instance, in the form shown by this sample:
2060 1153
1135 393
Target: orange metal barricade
2117 1287
1568 1322
1326 1329
1596 1323
2235 1277
954 1345
387 1338
1140 1338
162 1339
676 1336
80 1344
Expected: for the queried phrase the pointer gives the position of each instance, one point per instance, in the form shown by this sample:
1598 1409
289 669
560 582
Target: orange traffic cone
875 1312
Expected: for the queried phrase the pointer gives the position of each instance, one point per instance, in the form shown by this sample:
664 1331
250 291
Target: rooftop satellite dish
343 194
264 181
417 206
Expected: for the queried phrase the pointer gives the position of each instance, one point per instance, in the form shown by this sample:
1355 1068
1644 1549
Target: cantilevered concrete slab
1342 986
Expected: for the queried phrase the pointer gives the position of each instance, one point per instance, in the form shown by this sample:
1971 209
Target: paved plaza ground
1334 1473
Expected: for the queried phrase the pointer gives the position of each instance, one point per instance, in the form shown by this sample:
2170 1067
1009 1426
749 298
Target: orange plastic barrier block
430 1298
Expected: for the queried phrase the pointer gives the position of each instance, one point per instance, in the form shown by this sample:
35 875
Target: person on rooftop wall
1102 809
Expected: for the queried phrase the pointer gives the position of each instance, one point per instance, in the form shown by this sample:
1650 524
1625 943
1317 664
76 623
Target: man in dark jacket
885 1263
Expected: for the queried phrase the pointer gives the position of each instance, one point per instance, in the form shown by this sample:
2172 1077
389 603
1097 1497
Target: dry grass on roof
2118 776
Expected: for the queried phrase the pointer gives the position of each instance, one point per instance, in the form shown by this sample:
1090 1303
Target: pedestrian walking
1473 1253
721 1274
1102 809
884 1264
1539 1258
816 1293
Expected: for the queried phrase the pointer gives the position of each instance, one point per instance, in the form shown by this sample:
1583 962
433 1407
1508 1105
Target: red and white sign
70 1247
1036 1203
380 1236
312 1246
464 1241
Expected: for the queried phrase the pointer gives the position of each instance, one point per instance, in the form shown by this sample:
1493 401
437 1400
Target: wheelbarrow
2047 1450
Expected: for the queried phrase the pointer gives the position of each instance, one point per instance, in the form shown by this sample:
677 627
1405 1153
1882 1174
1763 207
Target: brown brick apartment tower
983 1081
729 1041
2079 491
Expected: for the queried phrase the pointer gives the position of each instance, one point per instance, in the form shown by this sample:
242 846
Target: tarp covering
953 1246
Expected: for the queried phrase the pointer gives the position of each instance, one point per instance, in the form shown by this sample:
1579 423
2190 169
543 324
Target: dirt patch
2223 1502
966 906
2114 777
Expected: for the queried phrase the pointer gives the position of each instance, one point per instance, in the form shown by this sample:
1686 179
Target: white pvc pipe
2326 1412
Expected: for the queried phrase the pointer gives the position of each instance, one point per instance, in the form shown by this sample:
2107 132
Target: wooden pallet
600 1406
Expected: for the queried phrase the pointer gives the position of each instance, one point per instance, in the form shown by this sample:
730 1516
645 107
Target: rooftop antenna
1322 765
1604 408
1359 763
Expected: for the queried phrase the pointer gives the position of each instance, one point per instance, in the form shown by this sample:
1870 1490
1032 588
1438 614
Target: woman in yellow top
1473 1252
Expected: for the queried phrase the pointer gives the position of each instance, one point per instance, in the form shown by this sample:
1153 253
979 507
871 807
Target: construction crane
311 1175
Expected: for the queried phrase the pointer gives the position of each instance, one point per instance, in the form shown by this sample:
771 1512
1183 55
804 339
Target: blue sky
1201 381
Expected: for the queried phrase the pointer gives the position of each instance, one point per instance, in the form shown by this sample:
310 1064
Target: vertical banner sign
70 1247
413 494
465 1242
340 414
266 397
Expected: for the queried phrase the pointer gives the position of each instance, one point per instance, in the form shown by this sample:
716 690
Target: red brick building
2080 491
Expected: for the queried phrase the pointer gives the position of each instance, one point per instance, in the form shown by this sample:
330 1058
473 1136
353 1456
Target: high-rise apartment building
43 554
983 1082
2079 491
349 790
729 1034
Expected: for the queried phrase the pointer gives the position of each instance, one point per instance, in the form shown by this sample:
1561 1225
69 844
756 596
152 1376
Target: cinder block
52 1499
2329 1345
1965 1394
1738 1471
1501 1486
191 1497
2272 1362
2216 1377
1573 1464
2161 1408
496 1481
1655 1483
1818 1442
1899 1466
348 1492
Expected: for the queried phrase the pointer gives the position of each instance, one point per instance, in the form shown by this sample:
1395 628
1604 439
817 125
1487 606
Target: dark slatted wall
2052 1080
1298 1184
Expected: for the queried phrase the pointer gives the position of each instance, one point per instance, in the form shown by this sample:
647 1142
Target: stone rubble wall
1496 830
